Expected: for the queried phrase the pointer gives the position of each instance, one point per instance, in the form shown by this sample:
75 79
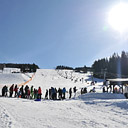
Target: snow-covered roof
121 81
118 80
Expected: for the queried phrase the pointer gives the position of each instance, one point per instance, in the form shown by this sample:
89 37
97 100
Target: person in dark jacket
74 89
6 91
64 92
60 94
35 93
46 94
3 91
70 93
104 89
11 90
50 97
26 91
22 91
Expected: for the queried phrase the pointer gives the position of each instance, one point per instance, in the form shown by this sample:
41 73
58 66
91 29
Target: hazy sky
58 32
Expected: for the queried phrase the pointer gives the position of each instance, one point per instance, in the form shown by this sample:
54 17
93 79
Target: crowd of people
22 92
32 93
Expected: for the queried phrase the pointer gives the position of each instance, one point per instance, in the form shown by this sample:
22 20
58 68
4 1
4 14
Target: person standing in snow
63 92
35 93
39 93
28 94
11 90
104 90
22 91
93 89
50 97
74 89
26 91
16 90
110 86
6 91
32 92
60 94
70 93
46 94
3 91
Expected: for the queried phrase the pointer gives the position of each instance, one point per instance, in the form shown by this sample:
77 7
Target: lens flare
118 17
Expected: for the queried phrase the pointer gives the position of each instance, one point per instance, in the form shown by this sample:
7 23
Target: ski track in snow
6 118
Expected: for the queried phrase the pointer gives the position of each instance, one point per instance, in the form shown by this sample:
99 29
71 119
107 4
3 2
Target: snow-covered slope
91 110
47 78
10 78
80 113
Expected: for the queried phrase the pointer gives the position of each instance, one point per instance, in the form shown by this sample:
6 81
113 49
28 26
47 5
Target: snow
99 110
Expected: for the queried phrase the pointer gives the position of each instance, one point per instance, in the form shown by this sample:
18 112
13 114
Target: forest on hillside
113 67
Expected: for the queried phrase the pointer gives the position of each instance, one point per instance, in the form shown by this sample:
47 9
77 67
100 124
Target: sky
58 32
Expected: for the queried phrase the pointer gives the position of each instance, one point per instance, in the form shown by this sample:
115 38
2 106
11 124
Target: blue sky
57 32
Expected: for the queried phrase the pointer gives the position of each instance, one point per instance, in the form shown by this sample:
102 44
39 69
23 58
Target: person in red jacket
39 93
16 90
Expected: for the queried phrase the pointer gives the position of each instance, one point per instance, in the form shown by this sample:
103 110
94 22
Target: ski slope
91 110
47 78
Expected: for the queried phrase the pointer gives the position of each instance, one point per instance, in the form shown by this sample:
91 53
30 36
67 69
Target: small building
122 83
11 70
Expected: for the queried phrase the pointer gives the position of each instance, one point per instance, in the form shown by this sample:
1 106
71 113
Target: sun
118 17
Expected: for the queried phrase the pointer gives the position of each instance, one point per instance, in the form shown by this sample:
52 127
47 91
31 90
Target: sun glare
118 17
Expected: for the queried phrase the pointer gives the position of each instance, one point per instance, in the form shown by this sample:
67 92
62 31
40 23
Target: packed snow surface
91 110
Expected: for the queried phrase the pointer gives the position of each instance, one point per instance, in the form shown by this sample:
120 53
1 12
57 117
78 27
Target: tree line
77 69
113 67
24 67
